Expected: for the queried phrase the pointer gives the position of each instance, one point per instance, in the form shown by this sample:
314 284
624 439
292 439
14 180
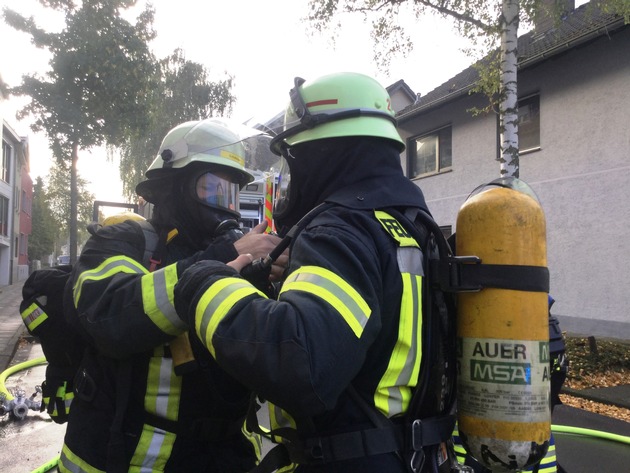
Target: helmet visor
214 190
281 199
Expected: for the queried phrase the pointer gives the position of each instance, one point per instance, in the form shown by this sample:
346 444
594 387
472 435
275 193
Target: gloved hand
222 251
57 391
192 284
57 397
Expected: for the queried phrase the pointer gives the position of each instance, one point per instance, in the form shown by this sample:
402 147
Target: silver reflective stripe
408 375
157 298
153 452
162 399
109 267
394 390
410 260
162 300
216 302
328 286
71 463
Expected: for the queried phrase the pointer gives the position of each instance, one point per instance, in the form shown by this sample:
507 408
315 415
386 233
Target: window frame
521 150
521 102
4 216
412 156
5 169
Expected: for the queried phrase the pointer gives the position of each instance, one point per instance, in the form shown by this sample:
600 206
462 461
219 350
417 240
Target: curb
598 395
8 354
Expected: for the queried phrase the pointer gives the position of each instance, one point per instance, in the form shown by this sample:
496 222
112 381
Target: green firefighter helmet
337 105
213 143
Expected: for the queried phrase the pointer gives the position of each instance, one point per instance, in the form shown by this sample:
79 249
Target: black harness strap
504 276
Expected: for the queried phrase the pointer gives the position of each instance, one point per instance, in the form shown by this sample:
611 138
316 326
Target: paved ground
27 445
11 326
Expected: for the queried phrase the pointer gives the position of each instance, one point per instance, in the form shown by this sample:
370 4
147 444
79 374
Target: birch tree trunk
74 198
508 110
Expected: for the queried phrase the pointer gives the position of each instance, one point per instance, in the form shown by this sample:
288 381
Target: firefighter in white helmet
134 410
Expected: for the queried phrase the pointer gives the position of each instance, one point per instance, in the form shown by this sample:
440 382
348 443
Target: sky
262 44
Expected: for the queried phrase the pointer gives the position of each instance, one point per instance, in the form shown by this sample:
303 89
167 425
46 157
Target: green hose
590 433
14 369
52 463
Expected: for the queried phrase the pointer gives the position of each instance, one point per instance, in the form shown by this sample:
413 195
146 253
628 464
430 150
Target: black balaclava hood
321 167
176 208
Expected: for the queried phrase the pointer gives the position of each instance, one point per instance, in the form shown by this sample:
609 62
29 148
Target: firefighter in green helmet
338 353
136 408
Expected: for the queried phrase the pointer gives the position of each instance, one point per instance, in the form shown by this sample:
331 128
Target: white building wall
580 174
7 190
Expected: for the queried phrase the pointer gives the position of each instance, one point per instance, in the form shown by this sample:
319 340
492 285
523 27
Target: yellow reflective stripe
163 387
279 418
162 399
70 463
154 448
109 267
394 390
33 315
216 302
254 438
158 299
338 293
395 229
549 463
67 397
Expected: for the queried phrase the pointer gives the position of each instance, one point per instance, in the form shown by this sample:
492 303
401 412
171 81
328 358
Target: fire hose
19 405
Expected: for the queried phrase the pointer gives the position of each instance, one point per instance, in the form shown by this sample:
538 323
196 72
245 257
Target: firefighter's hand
241 261
259 244
278 267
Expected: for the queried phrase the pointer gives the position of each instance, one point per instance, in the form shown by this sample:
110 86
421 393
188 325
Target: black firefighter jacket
338 320
131 411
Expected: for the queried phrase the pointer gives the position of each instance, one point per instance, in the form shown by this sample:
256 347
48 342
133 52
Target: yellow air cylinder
504 415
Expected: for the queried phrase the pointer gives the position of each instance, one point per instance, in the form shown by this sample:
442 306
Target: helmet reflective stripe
344 104
394 389
162 400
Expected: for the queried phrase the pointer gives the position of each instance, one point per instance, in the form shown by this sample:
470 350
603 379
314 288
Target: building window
430 153
4 216
6 161
529 123
23 244
447 230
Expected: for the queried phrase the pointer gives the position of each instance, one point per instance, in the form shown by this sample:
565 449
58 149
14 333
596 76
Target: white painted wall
581 175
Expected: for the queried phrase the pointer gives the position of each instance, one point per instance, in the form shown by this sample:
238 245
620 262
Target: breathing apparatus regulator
503 386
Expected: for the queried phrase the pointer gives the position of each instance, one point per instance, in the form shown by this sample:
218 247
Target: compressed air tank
503 398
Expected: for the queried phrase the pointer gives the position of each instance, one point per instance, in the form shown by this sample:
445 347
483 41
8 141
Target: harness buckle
417 442
314 450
